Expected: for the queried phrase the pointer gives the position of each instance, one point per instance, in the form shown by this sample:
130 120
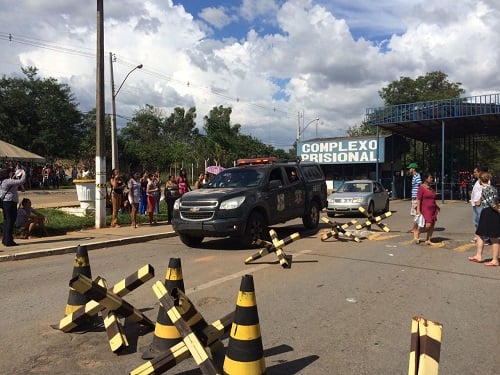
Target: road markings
238 274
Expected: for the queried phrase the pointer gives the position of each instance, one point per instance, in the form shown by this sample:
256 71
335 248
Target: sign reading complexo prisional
343 151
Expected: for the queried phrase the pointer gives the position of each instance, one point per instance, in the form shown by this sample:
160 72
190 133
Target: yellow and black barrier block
276 246
81 266
92 308
194 345
179 352
166 335
245 352
116 338
337 229
377 220
109 300
425 347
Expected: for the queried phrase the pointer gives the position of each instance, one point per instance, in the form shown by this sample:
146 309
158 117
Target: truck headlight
357 200
232 203
177 204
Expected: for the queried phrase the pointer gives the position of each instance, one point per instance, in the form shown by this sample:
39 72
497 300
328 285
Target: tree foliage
432 86
40 115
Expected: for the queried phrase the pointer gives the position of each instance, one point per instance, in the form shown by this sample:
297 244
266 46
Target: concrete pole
100 157
114 141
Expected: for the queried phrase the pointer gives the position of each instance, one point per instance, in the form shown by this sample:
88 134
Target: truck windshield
237 177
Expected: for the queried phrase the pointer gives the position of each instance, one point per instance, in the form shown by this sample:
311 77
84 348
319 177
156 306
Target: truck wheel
190 241
311 219
256 226
386 208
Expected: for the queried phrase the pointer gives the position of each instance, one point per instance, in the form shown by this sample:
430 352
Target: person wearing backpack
9 185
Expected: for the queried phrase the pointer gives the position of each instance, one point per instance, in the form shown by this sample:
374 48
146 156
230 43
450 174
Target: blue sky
278 63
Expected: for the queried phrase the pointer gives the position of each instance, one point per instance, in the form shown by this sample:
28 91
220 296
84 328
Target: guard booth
350 158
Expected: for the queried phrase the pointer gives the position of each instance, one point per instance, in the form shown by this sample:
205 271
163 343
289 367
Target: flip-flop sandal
490 265
471 259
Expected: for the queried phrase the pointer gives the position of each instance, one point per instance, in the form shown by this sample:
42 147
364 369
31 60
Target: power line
43 44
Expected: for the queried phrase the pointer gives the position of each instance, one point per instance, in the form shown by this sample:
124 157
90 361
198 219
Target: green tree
144 138
40 115
432 86
221 135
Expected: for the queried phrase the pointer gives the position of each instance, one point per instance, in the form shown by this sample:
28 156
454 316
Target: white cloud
331 56
217 17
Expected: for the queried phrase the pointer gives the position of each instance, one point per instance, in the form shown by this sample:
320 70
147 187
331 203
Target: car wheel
311 219
190 241
371 208
330 214
256 228
386 208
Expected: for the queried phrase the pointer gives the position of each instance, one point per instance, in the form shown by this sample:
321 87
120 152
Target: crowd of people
142 193
485 215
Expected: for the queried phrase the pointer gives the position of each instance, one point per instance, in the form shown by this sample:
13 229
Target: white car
351 195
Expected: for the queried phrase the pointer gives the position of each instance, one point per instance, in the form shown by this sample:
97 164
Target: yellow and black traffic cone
166 334
245 353
80 267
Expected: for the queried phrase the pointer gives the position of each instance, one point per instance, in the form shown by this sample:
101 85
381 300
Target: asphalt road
342 308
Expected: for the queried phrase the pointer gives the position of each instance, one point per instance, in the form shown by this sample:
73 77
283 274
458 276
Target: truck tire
190 241
256 229
311 219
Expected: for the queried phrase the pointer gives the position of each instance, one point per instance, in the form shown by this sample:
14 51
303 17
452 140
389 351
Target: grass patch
61 222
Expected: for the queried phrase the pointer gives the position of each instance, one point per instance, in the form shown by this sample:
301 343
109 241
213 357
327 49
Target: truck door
294 192
277 199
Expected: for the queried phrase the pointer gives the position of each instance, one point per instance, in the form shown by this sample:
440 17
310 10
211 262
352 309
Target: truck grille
195 216
198 210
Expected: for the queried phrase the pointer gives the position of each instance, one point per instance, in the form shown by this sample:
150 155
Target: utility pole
114 141
100 157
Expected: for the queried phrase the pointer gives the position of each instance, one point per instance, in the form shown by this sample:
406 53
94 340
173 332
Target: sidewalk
92 238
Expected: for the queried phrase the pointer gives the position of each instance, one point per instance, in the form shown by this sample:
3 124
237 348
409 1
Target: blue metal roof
475 115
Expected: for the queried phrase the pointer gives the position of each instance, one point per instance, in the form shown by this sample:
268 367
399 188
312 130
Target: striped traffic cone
80 267
245 353
166 334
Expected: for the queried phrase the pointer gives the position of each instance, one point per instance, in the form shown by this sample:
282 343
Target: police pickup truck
242 201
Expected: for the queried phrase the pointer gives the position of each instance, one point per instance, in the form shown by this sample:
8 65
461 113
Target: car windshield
237 177
355 187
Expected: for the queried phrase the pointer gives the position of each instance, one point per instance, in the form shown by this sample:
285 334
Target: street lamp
300 134
114 140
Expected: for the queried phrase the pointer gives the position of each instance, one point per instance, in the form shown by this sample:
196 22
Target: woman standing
10 200
489 221
182 183
134 197
427 207
151 191
143 204
171 194
117 186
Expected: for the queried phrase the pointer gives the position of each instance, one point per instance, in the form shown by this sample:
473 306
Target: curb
89 245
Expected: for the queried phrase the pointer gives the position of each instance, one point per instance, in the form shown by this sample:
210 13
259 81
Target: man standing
475 200
416 181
